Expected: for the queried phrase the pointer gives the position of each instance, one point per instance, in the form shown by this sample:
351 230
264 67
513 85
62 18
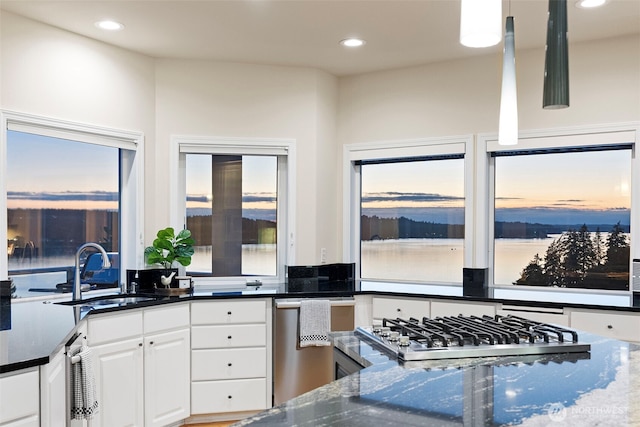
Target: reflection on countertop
598 388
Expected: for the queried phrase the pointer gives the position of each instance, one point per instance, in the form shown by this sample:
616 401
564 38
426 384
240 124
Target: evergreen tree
586 251
553 264
533 274
598 247
617 249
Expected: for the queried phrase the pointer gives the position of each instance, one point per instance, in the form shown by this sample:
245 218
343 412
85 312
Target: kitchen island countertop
601 388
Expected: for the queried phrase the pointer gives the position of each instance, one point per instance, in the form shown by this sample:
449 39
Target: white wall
57 74
462 97
242 100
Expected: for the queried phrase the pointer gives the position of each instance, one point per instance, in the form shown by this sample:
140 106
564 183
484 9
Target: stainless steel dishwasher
297 370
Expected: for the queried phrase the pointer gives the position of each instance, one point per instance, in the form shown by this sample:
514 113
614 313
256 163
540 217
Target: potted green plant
168 249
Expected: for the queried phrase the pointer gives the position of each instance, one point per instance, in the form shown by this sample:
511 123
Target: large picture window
412 219
562 219
67 184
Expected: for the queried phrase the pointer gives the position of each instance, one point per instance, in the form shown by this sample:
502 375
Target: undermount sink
118 300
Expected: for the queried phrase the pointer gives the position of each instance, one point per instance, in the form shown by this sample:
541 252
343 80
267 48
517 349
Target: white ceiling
306 33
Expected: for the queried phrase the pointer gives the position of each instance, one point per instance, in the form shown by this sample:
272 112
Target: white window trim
240 146
394 149
567 137
131 176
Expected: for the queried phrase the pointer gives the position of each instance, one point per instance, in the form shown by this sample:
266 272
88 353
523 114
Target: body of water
441 260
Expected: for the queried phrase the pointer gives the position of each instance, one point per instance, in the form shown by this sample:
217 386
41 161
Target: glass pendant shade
556 62
480 22
508 125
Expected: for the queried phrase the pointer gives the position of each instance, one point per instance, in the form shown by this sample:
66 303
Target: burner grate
471 336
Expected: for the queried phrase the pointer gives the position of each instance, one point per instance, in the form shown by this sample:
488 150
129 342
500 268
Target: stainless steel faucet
77 291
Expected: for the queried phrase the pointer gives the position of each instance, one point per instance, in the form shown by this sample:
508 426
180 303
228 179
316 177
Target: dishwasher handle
334 303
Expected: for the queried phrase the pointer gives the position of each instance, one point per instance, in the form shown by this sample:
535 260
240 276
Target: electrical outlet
323 255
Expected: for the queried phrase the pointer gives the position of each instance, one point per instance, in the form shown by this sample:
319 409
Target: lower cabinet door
19 402
119 382
167 377
228 396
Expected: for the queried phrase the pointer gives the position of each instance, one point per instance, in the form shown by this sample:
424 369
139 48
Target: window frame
353 154
582 137
284 149
131 177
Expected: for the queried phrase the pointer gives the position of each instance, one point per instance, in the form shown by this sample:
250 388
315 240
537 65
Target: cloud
246 198
407 197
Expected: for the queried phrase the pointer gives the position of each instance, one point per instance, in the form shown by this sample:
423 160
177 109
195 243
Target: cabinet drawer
115 327
228 336
228 312
228 364
228 396
174 316
396 307
619 326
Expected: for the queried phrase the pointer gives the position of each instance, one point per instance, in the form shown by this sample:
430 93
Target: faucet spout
77 291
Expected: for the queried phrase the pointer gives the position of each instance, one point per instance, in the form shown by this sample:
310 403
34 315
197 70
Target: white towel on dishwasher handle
85 400
315 322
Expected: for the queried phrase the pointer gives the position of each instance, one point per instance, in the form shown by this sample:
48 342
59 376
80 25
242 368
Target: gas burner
471 336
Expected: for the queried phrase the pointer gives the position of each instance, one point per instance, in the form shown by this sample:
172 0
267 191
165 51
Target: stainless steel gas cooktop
471 336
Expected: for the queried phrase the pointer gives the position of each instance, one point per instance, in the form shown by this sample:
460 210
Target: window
231 212
412 220
235 205
562 218
63 189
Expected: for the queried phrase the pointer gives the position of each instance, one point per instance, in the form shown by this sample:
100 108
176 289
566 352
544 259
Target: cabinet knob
229 364
398 310
229 337
229 397
609 326
150 342
228 313
139 344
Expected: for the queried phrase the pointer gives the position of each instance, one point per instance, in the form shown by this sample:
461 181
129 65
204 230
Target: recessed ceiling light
588 4
352 42
109 25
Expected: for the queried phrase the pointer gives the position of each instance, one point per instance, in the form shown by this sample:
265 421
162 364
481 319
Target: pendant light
556 62
508 125
480 22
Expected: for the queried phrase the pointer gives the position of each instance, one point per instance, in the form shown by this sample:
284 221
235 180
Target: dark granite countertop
596 389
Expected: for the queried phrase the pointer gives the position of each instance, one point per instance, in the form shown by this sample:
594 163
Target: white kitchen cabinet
166 373
119 373
231 356
18 407
142 366
53 392
607 323
385 307
440 308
